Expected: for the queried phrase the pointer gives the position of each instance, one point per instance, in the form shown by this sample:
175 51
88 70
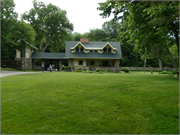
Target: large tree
138 24
12 30
48 21
8 20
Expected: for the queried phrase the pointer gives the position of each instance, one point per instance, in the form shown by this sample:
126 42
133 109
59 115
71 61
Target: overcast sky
82 13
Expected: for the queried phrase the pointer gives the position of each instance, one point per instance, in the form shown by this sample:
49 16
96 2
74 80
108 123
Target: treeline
148 31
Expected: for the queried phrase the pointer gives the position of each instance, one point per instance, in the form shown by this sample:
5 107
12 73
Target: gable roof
27 43
46 55
92 45
94 48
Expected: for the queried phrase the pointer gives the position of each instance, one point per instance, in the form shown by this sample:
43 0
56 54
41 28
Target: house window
105 49
91 50
95 50
80 62
77 49
92 62
109 49
82 49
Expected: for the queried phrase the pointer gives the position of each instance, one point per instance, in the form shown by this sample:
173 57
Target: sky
82 13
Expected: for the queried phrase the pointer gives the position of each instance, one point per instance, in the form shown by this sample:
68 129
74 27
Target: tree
77 36
8 20
137 24
47 21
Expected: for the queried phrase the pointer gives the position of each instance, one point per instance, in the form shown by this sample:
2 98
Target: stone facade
60 65
71 63
26 63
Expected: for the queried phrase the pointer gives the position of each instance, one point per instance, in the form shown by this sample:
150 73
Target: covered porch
93 64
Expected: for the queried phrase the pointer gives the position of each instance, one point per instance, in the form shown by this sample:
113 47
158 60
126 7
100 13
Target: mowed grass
88 103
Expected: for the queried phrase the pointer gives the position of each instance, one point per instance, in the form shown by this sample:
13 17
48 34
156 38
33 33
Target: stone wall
26 63
71 62
15 64
147 68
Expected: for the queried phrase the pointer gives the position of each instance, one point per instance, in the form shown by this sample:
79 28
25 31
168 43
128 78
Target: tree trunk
176 33
172 59
160 60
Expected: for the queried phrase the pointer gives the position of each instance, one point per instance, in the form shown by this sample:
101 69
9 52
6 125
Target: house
85 54
24 55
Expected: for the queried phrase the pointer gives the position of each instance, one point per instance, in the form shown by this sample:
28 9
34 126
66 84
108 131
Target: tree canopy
48 21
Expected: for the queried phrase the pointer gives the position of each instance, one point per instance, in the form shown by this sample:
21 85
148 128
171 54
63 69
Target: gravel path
8 73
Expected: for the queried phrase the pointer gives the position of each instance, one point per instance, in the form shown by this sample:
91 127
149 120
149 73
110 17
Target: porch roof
46 55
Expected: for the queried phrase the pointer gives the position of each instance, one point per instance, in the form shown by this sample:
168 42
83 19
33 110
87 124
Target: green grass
90 103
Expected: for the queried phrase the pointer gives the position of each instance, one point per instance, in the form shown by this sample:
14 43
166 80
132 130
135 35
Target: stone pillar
71 63
60 65
117 63
26 63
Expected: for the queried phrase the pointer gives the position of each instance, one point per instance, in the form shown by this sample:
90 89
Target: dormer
108 49
78 48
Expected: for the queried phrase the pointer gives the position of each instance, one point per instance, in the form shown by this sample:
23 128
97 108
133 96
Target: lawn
90 103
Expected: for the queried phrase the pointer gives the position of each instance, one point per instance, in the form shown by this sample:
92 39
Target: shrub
90 71
116 71
125 70
102 70
175 72
18 69
109 70
84 69
4 66
69 67
77 70
62 68
97 70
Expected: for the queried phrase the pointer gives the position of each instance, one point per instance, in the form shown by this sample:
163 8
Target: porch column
60 64
117 63
71 63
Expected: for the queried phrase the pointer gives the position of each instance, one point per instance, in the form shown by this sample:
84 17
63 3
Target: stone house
24 55
84 54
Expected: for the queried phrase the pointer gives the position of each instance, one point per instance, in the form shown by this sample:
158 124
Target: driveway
8 73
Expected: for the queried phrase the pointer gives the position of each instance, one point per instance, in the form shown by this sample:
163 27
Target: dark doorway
105 63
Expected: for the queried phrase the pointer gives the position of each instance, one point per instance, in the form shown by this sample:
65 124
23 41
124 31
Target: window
91 50
109 49
77 49
95 50
105 49
92 62
82 49
80 62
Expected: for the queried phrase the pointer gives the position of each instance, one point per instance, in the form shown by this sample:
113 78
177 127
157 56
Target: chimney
84 40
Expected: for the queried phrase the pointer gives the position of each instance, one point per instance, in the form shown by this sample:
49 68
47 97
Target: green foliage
125 70
62 68
77 70
48 21
109 71
4 66
97 70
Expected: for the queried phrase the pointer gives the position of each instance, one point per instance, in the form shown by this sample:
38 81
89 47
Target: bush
97 70
18 69
77 70
109 70
175 72
125 70
4 66
102 71
62 68
90 71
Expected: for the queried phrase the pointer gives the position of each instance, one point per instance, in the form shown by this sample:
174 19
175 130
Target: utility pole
145 57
